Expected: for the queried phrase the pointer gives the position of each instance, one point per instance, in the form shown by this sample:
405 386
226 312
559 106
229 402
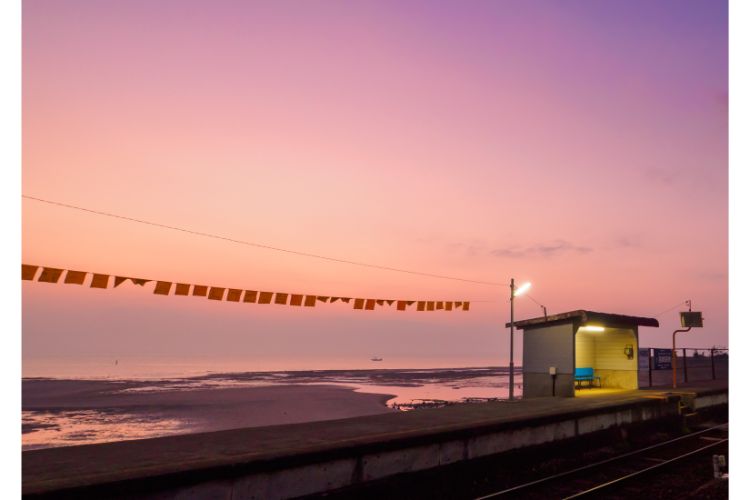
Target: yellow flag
296 300
281 298
370 304
182 289
265 297
233 295
162 287
359 303
50 275
28 272
200 290
250 296
75 277
310 300
100 281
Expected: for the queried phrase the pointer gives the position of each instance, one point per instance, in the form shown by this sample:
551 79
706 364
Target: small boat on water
375 358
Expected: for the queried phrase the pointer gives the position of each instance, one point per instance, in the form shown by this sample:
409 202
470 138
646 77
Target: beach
68 412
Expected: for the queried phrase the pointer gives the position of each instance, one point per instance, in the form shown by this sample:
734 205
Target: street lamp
514 293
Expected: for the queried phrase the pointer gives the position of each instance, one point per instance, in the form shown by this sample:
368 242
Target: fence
694 364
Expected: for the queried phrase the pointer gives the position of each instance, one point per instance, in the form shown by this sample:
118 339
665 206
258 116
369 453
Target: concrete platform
292 460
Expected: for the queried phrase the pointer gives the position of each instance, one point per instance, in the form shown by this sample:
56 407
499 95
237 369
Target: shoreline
69 413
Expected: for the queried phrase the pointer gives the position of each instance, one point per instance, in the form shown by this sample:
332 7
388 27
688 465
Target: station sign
662 359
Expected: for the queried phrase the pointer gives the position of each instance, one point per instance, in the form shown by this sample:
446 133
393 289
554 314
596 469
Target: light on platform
592 328
522 289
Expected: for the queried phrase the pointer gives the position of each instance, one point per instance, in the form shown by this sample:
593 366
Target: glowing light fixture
592 328
521 289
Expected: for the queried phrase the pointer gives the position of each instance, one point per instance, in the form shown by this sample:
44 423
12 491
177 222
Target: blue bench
586 375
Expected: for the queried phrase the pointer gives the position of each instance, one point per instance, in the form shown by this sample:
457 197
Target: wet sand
137 413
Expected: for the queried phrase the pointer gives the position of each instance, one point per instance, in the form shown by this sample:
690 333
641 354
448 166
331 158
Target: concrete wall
318 477
545 347
604 351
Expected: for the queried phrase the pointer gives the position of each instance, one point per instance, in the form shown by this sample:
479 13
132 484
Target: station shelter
577 352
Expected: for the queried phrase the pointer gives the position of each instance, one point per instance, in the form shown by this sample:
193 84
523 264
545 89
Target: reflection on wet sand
73 412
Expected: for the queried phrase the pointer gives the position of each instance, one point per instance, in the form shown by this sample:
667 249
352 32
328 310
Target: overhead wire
683 303
259 245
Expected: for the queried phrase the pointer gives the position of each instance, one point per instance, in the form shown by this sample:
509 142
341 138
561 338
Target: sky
579 145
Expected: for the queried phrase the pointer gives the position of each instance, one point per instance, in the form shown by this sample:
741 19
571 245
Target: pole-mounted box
691 319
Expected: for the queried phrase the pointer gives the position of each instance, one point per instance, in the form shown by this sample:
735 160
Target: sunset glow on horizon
580 146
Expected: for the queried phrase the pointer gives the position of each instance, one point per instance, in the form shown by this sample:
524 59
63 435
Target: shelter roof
584 317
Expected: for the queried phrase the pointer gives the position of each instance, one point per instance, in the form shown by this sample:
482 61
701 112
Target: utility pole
510 376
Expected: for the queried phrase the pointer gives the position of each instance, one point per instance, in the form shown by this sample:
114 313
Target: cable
684 302
259 245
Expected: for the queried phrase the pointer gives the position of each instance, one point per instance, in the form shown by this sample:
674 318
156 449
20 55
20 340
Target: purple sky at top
581 145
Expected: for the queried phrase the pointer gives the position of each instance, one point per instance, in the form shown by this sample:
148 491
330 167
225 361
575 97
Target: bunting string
107 281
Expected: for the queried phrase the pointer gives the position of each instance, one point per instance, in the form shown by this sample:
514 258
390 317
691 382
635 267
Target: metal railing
694 364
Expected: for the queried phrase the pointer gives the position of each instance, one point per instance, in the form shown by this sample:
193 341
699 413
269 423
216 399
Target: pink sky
579 145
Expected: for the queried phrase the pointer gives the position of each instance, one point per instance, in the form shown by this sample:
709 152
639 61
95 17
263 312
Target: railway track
616 475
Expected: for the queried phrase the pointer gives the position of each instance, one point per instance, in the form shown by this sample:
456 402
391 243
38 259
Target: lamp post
513 293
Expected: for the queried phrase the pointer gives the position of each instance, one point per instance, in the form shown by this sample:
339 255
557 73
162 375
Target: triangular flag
410 302
75 277
162 287
380 302
50 275
100 281
182 289
296 300
334 299
323 299
28 272
457 304
118 280
233 295
345 299
390 302
310 300
139 281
